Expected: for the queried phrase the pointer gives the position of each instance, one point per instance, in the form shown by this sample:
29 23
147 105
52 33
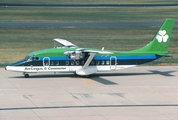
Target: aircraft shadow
99 76
165 73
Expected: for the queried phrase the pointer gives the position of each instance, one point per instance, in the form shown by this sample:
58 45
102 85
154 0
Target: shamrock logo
162 36
45 68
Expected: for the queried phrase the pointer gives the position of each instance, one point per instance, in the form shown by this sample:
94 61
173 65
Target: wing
98 52
88 71
65 42
89 60
92 55
85 70
78 54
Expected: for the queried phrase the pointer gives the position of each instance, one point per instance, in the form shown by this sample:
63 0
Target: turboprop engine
75 55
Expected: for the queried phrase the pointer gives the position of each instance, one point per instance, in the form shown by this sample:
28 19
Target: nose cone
11 68
7 68
16 66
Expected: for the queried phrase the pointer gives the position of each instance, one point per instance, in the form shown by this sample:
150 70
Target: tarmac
138 93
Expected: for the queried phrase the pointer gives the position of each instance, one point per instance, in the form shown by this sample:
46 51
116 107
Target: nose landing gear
26 75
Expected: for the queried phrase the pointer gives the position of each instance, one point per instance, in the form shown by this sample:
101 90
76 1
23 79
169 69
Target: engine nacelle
76 55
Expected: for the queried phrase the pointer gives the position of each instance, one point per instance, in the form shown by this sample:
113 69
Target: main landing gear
86 76
26 75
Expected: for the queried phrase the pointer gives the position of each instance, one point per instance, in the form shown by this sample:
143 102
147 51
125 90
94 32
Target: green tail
159 44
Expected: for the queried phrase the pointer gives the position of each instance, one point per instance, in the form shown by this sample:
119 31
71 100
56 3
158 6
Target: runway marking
90 106
89 82
76 78
86 80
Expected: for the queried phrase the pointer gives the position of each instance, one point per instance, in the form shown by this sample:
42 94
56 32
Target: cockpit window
37 58
28 58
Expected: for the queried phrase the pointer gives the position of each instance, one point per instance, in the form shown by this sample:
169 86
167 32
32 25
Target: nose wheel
26 75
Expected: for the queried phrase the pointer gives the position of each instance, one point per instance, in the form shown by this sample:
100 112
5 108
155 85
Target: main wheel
88 76
26 75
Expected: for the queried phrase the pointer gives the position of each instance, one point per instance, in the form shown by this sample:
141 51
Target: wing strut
89 60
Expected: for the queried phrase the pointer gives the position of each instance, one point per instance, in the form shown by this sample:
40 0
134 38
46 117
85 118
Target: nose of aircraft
6 68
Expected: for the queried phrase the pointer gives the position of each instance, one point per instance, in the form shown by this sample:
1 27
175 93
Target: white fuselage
35 69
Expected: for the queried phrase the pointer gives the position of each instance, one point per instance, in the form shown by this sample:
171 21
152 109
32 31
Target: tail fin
160 42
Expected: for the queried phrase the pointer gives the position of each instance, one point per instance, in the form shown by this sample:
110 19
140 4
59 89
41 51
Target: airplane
88 61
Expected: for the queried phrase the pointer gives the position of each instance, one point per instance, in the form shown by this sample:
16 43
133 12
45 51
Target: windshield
28 58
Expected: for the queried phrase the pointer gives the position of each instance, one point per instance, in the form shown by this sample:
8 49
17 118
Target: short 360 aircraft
87 61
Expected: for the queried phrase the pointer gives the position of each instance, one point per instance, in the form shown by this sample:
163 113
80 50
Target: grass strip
85 15
88 1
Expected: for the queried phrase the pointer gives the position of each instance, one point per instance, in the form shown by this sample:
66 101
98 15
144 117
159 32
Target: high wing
98 52
92 55
78 54
85 70
65 42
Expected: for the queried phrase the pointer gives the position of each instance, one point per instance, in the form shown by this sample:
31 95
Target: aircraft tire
26 76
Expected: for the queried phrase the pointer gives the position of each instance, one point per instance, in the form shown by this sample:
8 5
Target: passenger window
83 62
77 62
52 63
72 63
97 62
67 62
57 63
102 62
107 62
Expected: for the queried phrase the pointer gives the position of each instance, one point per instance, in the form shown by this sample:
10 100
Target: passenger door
113 62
